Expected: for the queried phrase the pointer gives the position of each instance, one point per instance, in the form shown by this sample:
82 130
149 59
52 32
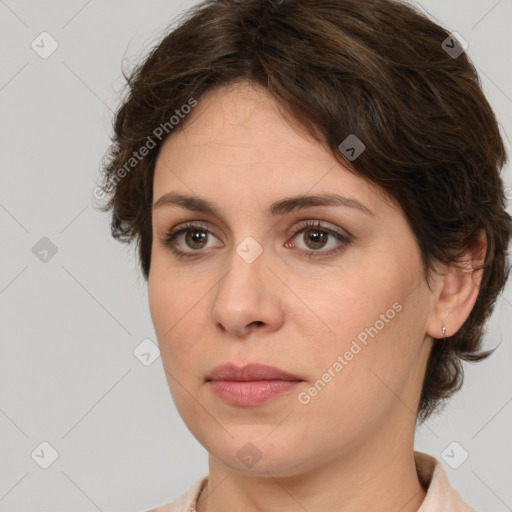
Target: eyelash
168 238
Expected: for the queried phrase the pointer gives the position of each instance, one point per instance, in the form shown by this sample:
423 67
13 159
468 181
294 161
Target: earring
444 332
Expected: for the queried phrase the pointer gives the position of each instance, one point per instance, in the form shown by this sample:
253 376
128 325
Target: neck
378 474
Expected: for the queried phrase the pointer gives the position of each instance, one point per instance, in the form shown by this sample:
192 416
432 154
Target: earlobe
458 290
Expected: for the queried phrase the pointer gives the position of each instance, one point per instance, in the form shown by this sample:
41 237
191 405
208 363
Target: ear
457 290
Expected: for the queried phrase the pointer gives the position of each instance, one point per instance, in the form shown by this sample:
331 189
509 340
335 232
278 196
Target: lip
250 385
249 372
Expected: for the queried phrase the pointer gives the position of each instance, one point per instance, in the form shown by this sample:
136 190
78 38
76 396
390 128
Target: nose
247 298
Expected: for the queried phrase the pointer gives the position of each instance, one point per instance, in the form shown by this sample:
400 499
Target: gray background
68 374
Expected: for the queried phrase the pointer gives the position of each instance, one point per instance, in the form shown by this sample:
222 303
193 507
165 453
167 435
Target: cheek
166 310
365 319
349 301
354 382
170 294
178 315
174 317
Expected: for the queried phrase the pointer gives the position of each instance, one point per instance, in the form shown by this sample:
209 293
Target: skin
350 448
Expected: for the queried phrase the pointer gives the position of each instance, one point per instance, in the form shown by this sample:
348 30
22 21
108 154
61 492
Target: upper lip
249 372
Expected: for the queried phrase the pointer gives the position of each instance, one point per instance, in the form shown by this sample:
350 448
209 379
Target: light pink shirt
440 497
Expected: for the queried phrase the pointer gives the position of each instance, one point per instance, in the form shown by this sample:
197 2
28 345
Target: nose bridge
246 268
244 295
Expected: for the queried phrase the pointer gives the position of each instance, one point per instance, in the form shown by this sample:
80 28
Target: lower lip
251 393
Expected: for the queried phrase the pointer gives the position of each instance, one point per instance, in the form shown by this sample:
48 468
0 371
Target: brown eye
315 237
318 238
195 239
188 241
191 240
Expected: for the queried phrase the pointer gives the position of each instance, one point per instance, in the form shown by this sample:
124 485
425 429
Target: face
332 294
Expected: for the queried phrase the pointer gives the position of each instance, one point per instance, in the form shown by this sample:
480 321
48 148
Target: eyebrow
280 207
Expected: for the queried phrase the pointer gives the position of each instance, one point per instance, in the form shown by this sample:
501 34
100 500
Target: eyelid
343 237
189 224
320 224
296 226
181 228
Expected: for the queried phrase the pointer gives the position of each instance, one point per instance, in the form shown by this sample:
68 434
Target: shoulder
441 496
185 502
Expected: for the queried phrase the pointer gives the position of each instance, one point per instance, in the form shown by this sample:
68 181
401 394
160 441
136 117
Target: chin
256 451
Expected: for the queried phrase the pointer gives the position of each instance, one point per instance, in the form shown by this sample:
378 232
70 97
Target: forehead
242 116
237 144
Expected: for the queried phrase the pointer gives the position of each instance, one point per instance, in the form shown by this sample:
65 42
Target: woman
315 194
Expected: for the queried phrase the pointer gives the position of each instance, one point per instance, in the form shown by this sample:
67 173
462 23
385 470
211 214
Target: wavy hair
379 69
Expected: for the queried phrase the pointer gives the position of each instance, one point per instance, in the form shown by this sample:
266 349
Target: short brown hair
376 69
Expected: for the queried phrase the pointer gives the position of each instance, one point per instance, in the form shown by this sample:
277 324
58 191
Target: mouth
250 372
251 393
250 385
